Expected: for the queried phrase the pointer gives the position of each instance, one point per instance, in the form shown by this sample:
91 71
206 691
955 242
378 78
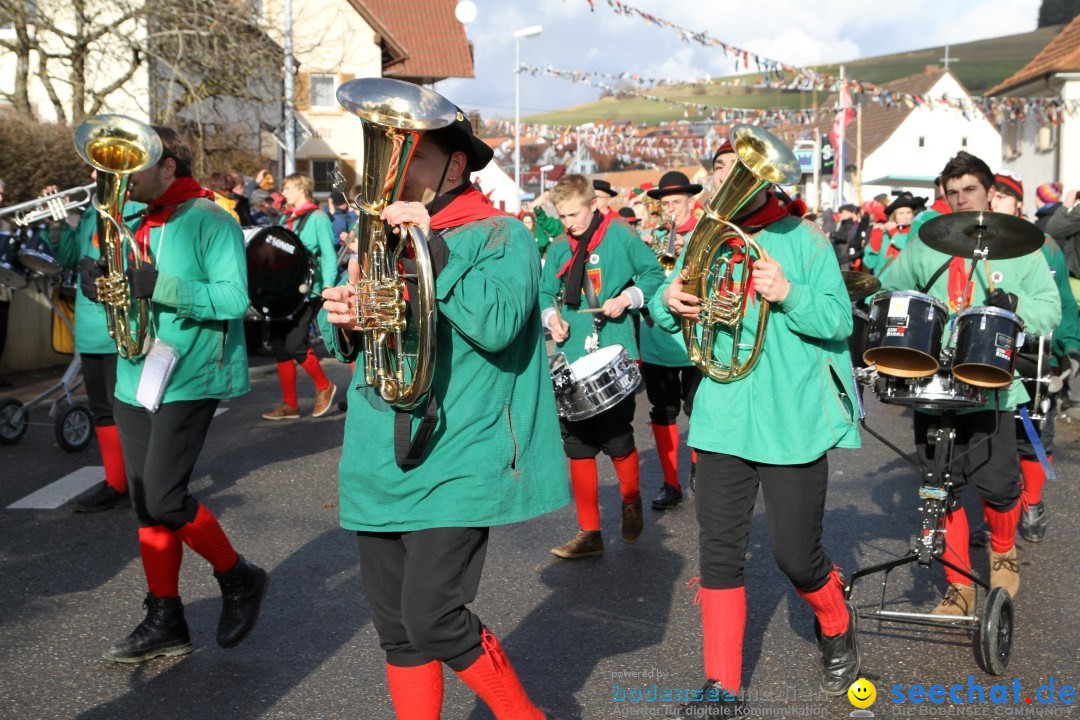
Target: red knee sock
723 622
583 480
205 536
417 692
693 456
667 447
1034 477
829 606
314 369
1002 527
161 552
628 469
112 457
956 545
286 373
494 680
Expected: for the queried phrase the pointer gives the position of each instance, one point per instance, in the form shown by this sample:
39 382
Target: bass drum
280 272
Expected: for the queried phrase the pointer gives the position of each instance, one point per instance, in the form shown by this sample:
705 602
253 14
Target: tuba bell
399 353
117 146
717 246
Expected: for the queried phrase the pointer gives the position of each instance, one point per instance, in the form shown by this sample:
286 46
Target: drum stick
591 310
989 278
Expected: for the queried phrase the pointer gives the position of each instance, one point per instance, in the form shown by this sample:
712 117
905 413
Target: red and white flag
844 116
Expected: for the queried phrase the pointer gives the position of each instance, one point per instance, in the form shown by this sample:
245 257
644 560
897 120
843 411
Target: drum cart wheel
993 640
74 428
13 422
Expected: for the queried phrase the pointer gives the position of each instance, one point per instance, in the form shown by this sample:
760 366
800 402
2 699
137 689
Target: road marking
66 488
220 411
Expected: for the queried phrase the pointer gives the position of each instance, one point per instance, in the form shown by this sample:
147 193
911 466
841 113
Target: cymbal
860 285
1003 236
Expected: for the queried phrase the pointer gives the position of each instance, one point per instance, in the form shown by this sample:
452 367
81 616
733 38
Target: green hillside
982 64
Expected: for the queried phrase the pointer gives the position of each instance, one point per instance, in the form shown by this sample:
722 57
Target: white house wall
1034 166
1069 168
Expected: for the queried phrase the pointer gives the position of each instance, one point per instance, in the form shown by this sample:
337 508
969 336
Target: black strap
934 278
303 221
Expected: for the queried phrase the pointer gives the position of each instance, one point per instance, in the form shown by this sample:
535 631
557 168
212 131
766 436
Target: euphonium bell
399 353
717 246
117 146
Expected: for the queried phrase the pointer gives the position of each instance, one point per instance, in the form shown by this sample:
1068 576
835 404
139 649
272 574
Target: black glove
1001 299
142 279
89 271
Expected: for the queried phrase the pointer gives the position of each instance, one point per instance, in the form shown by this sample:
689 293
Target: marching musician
889 238
1009 199
772 428
195 280
1022 285
289 338
79 247
608 270
604 195
422 530
670 378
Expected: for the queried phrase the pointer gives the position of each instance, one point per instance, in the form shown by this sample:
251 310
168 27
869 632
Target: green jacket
495 456
798 401
1028 277
198 305
660 347
317 235
91 331
1067 334
547 229
619 261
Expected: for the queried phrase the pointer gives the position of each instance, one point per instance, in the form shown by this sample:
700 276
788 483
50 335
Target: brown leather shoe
1005 571
324 400
632 522
586 543
959 600
283 412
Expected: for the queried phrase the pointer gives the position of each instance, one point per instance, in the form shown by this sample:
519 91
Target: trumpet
54 207
664 246
717 245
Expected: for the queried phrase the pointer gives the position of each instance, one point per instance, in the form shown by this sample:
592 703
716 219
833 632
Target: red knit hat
1009 183
727 147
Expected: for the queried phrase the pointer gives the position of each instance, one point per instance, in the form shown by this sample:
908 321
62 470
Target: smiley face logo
862 693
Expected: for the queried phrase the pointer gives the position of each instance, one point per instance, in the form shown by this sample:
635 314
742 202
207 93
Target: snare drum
905 332
36 256
857 340
986 341
592 384
939 391
12 274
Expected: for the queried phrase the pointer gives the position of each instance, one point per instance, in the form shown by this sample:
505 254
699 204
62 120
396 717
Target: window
963 142
322 91
322 173
922 141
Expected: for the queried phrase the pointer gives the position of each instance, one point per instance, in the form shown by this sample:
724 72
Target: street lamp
531 31
544 171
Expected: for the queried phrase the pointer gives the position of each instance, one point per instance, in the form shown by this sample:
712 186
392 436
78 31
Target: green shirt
798 401
547 229
198 305
619 261
91 331
317 234
1067 334
660 347
495 456
1027 277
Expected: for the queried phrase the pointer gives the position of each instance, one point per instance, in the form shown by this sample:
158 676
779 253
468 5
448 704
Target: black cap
605 187
337 199
628 213
674 182
460 137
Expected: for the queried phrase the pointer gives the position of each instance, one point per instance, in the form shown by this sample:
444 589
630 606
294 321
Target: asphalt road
69 584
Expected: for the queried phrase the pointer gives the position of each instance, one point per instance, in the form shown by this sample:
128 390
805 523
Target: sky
798 32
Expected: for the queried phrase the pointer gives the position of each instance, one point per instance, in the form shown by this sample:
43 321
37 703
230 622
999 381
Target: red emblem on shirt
594 278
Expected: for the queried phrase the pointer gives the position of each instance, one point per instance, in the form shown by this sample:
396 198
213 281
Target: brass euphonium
399 354
717 246
117 146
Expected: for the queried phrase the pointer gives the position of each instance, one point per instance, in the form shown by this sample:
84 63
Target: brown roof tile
1062 54
433 38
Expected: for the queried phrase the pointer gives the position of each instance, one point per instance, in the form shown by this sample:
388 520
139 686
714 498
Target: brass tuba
117 146
394 115
717 245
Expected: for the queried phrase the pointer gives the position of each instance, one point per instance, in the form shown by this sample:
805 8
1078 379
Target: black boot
667 498
715 701
164 632
104 498
840 657
1033 523
242 591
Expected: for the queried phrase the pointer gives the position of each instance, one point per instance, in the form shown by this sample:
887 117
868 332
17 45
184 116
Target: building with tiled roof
1036 149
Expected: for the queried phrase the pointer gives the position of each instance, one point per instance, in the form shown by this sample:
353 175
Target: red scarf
298 212
957 282
469 206
764 216
690 224
942 206
877 236
159 211
597 238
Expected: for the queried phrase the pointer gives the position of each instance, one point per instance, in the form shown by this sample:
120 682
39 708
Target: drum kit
914 354
25 256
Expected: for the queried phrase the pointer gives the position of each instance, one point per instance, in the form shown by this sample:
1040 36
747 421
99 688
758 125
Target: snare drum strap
925 289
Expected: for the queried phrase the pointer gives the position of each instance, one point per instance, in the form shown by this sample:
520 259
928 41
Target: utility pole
840 150
290 91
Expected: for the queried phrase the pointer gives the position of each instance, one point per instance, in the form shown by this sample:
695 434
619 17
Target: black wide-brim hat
605 187
674 182
629 215
461 137
906 200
